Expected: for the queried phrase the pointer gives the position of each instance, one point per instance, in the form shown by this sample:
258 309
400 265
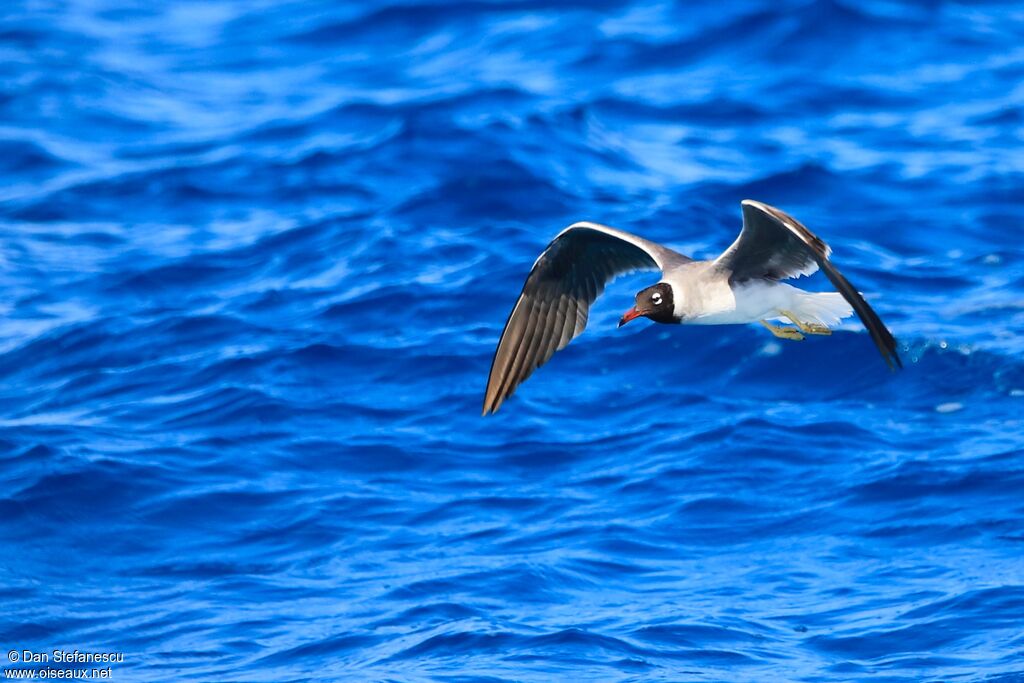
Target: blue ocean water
256 257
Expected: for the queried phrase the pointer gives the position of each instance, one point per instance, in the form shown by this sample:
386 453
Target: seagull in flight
743 285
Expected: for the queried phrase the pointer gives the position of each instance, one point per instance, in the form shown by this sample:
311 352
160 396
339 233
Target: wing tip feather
892 358
492 401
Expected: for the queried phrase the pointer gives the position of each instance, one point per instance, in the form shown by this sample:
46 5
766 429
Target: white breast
715 302
709 302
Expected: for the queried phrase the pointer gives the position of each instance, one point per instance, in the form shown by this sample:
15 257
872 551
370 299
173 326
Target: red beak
631 314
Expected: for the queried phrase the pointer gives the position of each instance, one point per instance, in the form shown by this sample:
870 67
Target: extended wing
773 246
555 302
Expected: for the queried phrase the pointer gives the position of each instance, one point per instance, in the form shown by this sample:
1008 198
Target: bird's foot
783 332
807 328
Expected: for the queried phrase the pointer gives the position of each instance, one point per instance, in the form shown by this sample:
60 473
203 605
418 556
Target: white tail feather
827 308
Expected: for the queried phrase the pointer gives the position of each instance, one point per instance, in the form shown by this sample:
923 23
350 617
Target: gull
743 285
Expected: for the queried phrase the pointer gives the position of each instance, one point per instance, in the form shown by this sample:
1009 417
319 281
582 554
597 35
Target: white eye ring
656 298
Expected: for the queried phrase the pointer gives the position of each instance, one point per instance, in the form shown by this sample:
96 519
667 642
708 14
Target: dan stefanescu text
70 657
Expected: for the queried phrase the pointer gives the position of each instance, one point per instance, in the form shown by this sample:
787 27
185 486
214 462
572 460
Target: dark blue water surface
255 258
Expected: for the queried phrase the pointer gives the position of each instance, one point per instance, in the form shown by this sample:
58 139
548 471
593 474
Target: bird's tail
824 308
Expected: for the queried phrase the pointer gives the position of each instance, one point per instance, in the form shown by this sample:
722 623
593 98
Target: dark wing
773 245
555 302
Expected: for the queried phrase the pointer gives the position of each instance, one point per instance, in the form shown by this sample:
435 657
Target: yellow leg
808 328
782 332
